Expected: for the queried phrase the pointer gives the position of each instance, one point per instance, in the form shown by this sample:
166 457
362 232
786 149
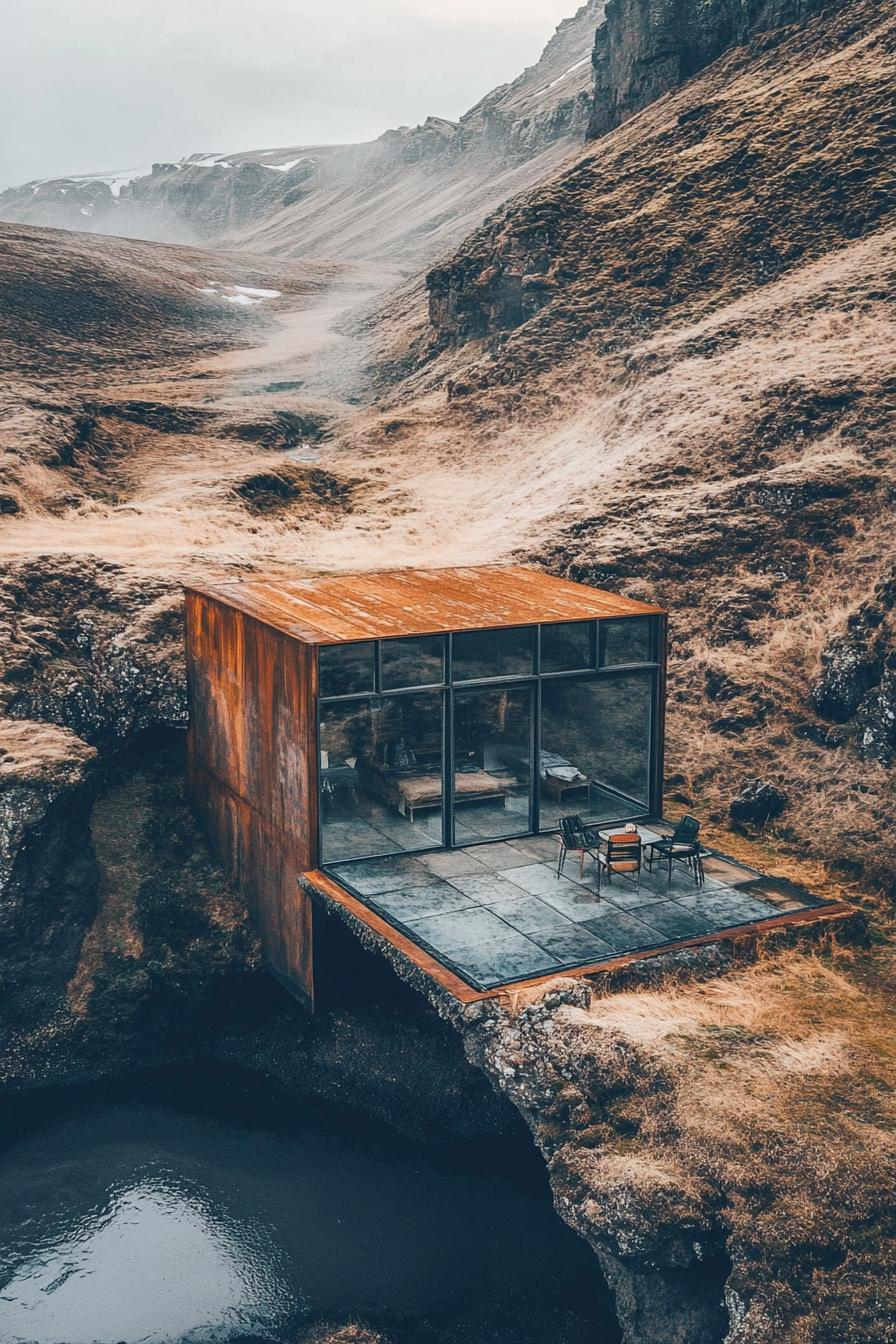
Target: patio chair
574 838
682 846
623 855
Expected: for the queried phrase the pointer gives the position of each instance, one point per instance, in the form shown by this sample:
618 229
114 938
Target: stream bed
199 1210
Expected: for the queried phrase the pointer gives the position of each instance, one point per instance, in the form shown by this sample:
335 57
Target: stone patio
496 913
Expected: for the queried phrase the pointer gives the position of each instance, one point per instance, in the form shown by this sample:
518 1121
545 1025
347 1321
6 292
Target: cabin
400 746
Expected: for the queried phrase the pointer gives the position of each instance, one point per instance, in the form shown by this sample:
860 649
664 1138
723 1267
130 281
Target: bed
412 792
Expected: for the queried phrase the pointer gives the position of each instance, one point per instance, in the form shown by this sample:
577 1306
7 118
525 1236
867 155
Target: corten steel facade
268 789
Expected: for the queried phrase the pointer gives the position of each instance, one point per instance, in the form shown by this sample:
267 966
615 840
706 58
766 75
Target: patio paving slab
503 855
403 880
572 944
370 876
577 903
452 863
485 887
410 903
675 922
726 870
729 905
624 932
544 848
625 896
482 945
783 895
530 915
537 878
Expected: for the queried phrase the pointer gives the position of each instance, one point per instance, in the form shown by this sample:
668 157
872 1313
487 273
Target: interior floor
367 826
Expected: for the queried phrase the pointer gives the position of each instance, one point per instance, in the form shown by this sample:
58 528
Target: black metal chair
623 856
682 846
574 838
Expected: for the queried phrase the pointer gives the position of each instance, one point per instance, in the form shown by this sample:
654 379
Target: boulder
850 667
876 720
757 804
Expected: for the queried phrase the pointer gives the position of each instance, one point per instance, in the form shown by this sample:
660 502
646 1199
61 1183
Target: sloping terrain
673 366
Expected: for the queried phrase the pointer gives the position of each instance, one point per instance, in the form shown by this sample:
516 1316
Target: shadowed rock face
645 48
48 869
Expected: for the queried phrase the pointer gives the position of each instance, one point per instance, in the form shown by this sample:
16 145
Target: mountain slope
672 365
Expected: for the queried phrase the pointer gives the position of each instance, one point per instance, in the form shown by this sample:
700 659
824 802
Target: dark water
200 1214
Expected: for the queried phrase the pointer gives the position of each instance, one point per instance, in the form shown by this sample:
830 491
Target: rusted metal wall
252 770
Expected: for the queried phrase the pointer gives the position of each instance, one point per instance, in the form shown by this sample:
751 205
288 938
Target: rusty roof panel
379 604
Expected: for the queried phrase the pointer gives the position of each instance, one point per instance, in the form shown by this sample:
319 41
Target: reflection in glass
478 654
492 763
381 776
567 647
595 744
346 669
412 662
629 641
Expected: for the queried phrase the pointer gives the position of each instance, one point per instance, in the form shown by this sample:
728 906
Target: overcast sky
93 85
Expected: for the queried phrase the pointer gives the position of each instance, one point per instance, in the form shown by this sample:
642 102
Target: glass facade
346 669
415 755
626 642
596 738
381 775
493 729
412 662
568 647
479 655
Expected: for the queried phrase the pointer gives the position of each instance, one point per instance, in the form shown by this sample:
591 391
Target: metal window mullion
448 771
535 804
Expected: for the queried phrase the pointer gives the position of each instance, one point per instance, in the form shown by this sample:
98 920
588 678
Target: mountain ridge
398 198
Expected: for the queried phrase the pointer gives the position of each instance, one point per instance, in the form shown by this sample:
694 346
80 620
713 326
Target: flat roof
379 604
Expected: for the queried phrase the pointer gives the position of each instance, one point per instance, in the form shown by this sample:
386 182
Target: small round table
644 834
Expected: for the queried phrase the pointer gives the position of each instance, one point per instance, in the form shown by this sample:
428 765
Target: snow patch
257 293
242 295
285 167
560 78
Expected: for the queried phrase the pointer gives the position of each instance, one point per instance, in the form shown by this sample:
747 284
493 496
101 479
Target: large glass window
479 654
492 763
381 775
386 707
412 662
567 647
346 669
628 641
595 746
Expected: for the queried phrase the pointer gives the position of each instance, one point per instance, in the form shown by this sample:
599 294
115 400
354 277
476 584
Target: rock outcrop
48 871
682 208
644 49
758 803
857 685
